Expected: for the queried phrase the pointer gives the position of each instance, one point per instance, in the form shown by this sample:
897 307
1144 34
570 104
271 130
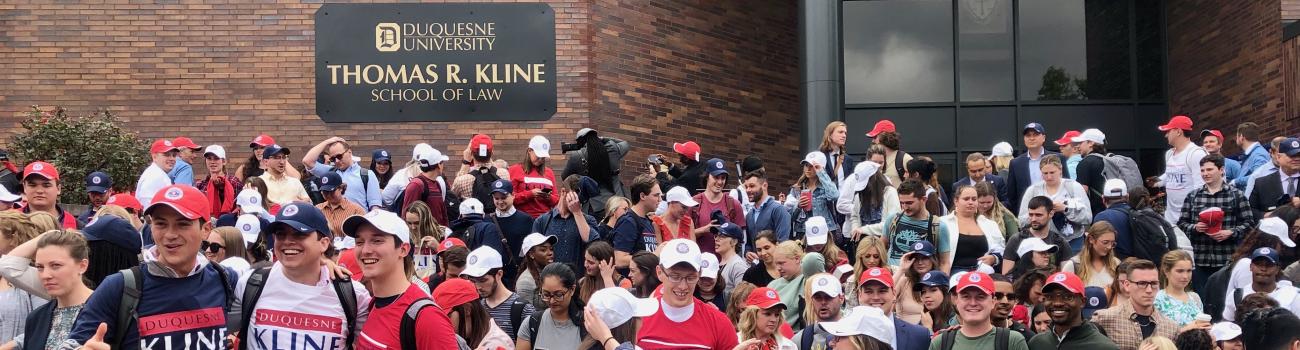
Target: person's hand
805 202
1222 235
537 192
97 342
606 269
906 263
218 180
1295 201
571 202
596 327
333 140
751 256
467 153
337 271
989 259
1058 206
705 229
780 197
1195 324
1201 227
751 344
857 233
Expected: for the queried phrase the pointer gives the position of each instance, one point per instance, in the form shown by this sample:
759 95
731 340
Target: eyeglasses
680 279
1008 296
1146 284
1066 297
553 295
211 247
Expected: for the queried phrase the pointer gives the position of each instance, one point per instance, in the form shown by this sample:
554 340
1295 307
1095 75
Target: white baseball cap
815 230
679 194
616 306
249 226
827 284
7 196
383 220
471 206
215 150
863 320
1093 135
1224 331
814 158
1002 149
1278 228
250 201
430 157
1034 244
540 146
1115 188
709 265
862 174
534 239
679 251
420 148
481 260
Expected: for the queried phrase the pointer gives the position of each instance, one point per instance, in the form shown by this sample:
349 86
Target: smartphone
546 190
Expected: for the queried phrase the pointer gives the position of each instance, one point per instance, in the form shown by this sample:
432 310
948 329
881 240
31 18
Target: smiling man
975 304
876 289
1063 299
682 320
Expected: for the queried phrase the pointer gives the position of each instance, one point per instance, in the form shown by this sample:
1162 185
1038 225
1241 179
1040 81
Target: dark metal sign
435 62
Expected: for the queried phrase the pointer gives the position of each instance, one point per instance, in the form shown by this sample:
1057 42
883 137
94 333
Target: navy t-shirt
174 313
633 233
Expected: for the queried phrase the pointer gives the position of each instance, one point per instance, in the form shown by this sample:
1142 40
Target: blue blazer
910 336
999 184
1018 179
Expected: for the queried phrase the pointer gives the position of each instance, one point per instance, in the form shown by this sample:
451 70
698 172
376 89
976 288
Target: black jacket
1268 194
1084 337
1018 178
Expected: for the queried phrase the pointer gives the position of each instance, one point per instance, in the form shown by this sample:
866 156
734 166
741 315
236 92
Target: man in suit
977 169
1024 169
1279 187
876 289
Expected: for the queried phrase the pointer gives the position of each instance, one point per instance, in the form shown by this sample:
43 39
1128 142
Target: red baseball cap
45 170
262 140
882 126
1178 122
689 149
1070 281
125 200
1216 133
978 280
185 199
162 146
877 274
1065 139
454 292
448 243
480 145
763 298
185 142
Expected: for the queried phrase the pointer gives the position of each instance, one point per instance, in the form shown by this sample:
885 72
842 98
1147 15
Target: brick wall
224 73
1290 10
1225 63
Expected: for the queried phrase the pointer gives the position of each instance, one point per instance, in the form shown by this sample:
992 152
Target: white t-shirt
290 315
151 181
1182 176
1286 295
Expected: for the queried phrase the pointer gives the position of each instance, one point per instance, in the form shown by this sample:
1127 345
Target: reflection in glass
898 51
985 50
1074 50
1150 51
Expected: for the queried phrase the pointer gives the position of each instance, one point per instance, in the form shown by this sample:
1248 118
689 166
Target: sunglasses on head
211 247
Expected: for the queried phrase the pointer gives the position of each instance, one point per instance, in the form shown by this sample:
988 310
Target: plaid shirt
1117 323
1237 217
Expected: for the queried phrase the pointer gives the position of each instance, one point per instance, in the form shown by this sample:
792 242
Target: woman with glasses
1176 299
225 245
558 325
1096 264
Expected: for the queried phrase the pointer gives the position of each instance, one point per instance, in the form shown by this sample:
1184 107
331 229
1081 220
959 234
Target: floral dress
1183 312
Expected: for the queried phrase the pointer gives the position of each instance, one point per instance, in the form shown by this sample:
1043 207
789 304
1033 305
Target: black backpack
1152 236
396 206
406 332
483 179
1000 339
132 289
253 292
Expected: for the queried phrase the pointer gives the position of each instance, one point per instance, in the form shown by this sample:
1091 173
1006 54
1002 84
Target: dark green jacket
1083 337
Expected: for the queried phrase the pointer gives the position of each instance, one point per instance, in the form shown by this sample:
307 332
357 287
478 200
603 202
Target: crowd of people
1067 249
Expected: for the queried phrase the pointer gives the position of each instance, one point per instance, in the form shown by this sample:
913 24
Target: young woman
794 267
924 169
61 259
642 274
382 164
469 318
613 317
107 257
16 303
1029 291
761 320
870 253
598 262
765 271
732 264
675 223
835 156
1071 209
558 328
1000 159
916 264
1039 257
258 184
940 313
834 257
736 300
615 207
1115 293
225 245
1042 319
978 239
425 230
533 181
1176 299
709 289
867 199
1192 339
990 207
814 194
535 258
1096 264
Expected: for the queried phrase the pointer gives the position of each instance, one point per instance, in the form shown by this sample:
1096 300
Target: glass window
1074 50
985 50
1150 51
898 51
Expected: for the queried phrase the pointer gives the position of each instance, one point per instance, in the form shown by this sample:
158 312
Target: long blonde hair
1001 163
1084 268
867 244
748 324
1167 263
43 220
984 188
788 248
736 301
18 228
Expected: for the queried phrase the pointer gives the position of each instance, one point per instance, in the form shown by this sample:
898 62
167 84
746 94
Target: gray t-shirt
551 335
733 271
526 289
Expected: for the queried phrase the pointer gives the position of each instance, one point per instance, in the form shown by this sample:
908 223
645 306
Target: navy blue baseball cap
1094 298
730 230
115 230
716 166
301 217
274 150
587 189
935 278
98 182
1264 253
1290 146
329 182
380 155
923 247
501 185
1035 126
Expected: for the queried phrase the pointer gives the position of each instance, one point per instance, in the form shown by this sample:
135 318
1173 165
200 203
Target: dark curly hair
1269 329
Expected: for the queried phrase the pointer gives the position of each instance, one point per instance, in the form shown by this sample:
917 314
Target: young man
426 188
1128 323
1256 156
682 320
914 224
220 186
1092 144
977 171
41 189
1264 271
974 302
1024 170
688 172
634 232
1004 296
1070 153
295 303
1181 163
1063 300
336 206
828 302
182 300
767 213
876 289
484 269
1278 188
1040 226
476 229
154 178
571 227
98 186
714 199
514 224
281 188
476 160
364 184
1212 141
1212 241
1115 196
187 153
885 134
384 251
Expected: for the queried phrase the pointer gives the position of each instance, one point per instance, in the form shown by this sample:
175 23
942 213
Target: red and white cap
882 126
185 142
262 140
1070 281
690 149
877 274
162 146
977 280
125 200
763 298
1177 122
1067 138
185 199
448 243
45 170
480 145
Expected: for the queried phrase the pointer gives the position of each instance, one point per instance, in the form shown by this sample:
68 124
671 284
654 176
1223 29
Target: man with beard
876 289
1264 272
827 301
484 269
1063 300
281 187
767 213
975 304
1130 322
1040 226
98 186
915 224
1004 296
682 320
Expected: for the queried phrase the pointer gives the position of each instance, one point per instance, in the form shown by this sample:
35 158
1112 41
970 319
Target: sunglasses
211 247
1008 296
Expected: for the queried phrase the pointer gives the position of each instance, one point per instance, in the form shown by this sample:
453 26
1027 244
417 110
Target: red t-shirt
382 330
432 195
702 215
707 328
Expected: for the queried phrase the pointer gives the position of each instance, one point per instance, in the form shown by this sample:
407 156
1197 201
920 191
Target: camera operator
688 172
600 166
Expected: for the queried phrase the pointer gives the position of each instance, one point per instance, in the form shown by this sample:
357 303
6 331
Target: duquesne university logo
388 37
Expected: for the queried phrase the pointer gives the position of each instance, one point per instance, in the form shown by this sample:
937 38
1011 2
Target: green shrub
79 145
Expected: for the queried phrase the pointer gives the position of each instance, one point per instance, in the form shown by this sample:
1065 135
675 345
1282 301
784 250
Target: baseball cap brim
36 173
188 214
475 271
353 223
976 286
540 153
293 224
1060 285
97 189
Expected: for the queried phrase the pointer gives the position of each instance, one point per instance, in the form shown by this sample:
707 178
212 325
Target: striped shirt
501 314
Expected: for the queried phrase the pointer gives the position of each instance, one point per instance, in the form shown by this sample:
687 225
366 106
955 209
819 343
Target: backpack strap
934 231
1001 338
898 163
348 298
806 338
517 315
132 286
406 332
365 181
534 323
232 315
252 292
505 245
1236 296
947 340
